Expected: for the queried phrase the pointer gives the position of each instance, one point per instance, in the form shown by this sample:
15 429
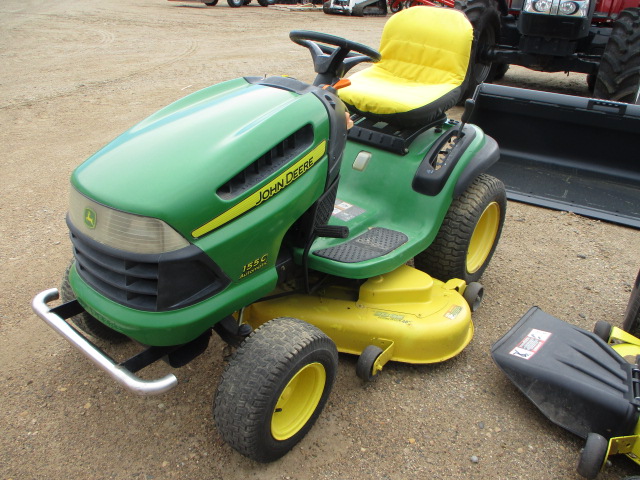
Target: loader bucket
564 152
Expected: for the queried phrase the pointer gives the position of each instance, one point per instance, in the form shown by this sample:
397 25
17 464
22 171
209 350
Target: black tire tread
255 371
482 14
619 72
446 256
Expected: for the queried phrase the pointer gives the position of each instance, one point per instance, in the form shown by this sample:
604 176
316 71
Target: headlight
569 8
120 230
542 6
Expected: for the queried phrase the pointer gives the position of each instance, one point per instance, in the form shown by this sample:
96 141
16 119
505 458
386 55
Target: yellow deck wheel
298 401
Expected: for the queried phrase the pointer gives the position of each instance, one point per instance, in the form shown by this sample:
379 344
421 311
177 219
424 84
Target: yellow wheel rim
483 238
298 401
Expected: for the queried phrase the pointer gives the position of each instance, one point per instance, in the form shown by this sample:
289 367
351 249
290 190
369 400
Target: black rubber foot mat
372 244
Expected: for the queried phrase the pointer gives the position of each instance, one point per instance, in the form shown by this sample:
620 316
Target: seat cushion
425 55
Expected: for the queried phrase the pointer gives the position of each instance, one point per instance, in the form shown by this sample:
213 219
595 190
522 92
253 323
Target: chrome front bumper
120 374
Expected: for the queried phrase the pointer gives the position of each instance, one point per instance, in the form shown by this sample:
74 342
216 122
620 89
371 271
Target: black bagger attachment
574 377
564 152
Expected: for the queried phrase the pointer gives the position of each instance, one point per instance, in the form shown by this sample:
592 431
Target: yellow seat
425 55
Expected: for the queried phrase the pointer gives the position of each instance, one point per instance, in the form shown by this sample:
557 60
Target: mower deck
407 313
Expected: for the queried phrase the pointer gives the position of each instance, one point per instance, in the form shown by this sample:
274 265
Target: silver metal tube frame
120 374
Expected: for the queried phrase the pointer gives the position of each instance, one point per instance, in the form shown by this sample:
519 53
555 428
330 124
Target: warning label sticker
453 312
345 211
531 344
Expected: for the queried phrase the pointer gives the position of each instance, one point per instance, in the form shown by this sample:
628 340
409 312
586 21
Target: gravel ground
74 75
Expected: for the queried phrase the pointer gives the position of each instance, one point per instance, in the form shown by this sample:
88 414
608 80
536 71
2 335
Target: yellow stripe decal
283 180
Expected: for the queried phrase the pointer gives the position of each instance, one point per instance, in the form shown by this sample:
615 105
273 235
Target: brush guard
123 373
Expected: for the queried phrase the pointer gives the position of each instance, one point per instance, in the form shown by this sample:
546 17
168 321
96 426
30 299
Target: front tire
274 388
619 72
469 233
86 322
235 3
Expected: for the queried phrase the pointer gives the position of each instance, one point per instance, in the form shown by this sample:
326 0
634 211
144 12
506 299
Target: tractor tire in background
274 388
86 322
213 3
485 18
619 72
266 3
235 3
395 7
469 233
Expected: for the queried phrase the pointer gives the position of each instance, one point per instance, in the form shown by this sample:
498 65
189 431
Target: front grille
151 282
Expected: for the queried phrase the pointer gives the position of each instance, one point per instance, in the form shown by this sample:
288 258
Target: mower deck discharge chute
585 382
248 209
565 152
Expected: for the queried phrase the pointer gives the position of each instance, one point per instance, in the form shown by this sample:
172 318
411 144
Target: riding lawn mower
250 209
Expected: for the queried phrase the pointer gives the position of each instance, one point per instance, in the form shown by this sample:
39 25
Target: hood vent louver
270 162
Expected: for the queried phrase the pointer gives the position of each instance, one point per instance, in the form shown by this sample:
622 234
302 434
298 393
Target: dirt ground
73 75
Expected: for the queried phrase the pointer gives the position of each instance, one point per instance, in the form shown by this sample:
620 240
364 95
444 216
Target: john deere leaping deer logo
90 218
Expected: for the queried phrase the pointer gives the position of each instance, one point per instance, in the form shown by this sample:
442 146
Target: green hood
171 165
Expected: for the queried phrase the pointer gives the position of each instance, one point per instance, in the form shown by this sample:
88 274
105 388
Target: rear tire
86 322
235 3
619 73
266 3
485 18
211 4
274 388
593 455
469 233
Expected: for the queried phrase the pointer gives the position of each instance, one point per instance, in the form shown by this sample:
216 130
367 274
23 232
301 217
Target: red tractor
598 37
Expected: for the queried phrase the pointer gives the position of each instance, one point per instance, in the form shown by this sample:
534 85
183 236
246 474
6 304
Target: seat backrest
428 45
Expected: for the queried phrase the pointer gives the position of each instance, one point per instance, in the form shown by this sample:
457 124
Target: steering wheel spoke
333 56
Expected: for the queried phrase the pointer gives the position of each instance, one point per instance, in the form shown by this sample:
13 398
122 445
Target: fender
483 159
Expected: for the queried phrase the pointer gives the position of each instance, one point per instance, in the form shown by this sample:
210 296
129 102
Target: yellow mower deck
411 316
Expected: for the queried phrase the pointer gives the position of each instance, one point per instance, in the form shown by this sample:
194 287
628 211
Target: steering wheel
333 63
